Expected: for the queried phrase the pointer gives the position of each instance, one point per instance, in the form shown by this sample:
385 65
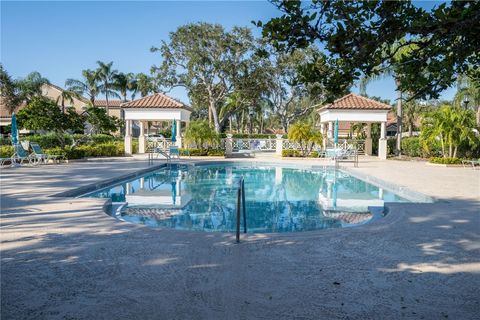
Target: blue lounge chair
472 162
39 155
21 155
174 152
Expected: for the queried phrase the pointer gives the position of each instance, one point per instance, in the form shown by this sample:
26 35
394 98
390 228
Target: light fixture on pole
465 101
251 113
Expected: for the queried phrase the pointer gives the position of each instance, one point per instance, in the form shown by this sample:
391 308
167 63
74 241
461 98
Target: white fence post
279 145
229 144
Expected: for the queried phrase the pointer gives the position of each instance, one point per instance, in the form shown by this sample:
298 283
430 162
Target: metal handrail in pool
241 202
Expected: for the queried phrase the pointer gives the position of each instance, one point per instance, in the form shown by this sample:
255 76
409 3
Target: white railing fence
154 143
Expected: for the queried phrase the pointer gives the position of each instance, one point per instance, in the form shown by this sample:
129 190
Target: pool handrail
241 202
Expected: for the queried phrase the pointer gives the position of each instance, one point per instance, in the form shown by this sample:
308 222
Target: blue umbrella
334 202
174 131
14 130
174 191
335 133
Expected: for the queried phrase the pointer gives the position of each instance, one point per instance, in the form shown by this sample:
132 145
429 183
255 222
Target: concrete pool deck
63 258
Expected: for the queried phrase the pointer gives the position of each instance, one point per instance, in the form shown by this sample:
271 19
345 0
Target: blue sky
61 38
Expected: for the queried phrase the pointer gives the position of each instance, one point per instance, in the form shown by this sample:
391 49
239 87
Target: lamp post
251 113
466 101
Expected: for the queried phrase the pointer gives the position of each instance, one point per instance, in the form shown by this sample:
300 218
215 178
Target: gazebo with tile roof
355 108
156 107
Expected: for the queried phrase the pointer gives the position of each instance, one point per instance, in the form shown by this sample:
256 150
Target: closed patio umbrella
335 133
174 192
174 131
14 130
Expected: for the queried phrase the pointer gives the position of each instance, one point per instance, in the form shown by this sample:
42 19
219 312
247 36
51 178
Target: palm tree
67 95
89 86
401 51
450 125
145 84
125 82
107 76
9 91
469 88
31 85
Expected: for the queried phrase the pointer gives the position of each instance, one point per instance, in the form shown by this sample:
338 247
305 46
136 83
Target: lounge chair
161 152
174 152
472 162
39 155
21 155
3 161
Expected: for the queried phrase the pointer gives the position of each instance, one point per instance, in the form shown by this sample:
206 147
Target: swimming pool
278 198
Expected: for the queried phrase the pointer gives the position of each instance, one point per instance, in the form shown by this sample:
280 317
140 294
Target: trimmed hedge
297 154
100 150
252 136
441 160
202 152
291 153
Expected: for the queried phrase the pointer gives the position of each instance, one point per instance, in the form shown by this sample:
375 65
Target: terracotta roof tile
157 100
111 103
353 101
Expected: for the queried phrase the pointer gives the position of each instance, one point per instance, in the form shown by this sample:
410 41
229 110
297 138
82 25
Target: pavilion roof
354 101
111 103
157 100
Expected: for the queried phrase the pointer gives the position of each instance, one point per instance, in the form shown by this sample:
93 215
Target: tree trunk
242 122
216 122
284 121
450 149
410 130
478 116
443 146
106 100
63 104
455 151
398 150
210 115
230 124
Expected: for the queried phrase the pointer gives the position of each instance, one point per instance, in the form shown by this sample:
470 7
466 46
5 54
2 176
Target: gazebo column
382 142
330 132
128 138
179 134
142 141
324 138
368 140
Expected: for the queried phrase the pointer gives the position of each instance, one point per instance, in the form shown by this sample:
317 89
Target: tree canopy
362 37
207 60
44 114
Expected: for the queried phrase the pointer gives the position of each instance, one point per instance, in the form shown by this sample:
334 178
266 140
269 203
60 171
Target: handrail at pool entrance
241 202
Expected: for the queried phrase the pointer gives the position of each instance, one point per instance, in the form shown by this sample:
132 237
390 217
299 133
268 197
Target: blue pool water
278 199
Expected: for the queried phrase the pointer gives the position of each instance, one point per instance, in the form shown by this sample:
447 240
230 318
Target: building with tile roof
354 108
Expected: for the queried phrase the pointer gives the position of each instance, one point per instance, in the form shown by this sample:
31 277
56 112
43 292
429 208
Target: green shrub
102 138
111 149
67 152
6 151
202 152
50 140
391 145
441 160
215 152
314 154
5 141
291 153
411 147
